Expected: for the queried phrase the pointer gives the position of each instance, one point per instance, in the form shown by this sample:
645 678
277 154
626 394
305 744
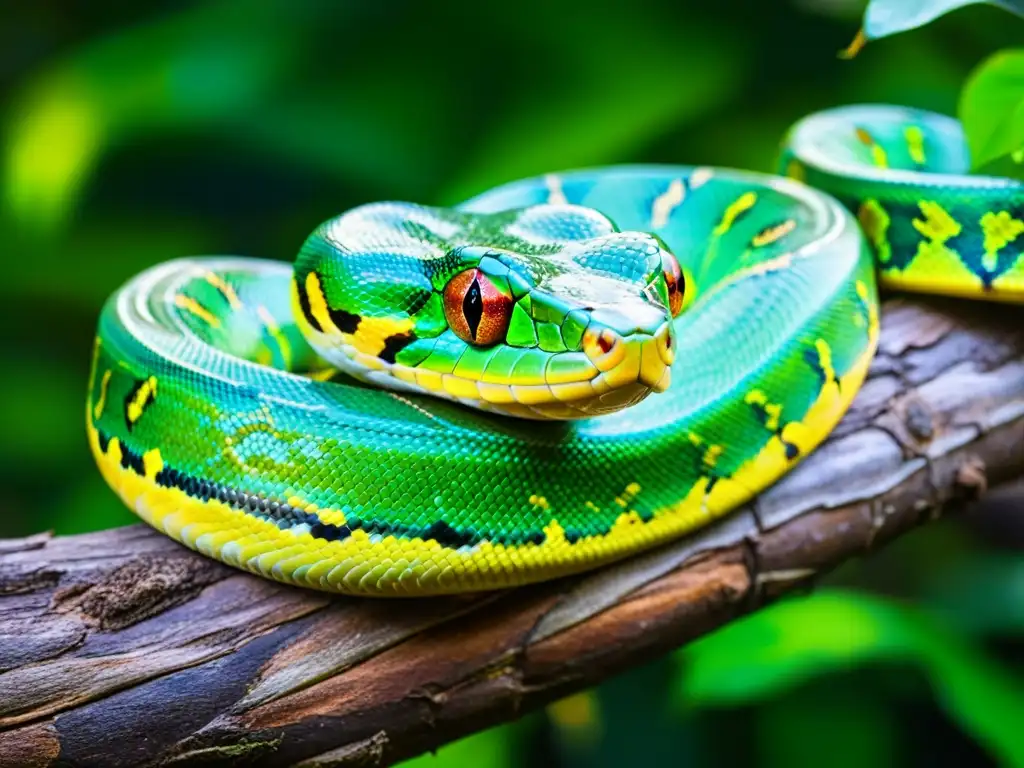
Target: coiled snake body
556 374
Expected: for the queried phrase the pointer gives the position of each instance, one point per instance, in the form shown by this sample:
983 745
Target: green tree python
554 375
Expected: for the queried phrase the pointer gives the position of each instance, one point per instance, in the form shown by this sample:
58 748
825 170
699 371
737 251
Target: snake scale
548 377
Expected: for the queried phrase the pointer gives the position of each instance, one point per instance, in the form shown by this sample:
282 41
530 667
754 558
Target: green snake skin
554 375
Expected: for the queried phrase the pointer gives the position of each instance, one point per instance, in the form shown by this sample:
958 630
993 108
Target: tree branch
123 648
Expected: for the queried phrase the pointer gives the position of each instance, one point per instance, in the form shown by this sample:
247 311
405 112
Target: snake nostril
604 347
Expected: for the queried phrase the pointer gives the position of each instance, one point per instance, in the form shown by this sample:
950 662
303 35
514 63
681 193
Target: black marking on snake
986 276
792 451
761 414
473 307
394 344
131 460
344 321
307 312
811 358
447 536
130 398
329 531
285 516
281 514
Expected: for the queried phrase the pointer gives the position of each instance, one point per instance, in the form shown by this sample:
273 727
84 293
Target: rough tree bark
122 648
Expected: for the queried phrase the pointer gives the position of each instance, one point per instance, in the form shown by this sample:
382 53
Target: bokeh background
136 132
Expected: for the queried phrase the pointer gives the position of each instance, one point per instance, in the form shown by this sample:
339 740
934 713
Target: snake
559 373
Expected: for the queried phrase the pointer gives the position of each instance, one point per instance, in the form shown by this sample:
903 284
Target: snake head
542 312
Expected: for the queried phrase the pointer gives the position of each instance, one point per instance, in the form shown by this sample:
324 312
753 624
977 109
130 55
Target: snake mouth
639 359
656 357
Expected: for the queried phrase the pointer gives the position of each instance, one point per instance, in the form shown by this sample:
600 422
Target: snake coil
556 374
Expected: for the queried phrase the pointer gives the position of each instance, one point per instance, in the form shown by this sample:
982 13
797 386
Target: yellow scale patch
772 411
937 225
878 155
256 426
738 207
773 234
771 463
142 396
225 288
627 496
874 220
1009 286
101 401
825 351
1000 229
370 334
711 451
539 501
187 303
935 267
915 143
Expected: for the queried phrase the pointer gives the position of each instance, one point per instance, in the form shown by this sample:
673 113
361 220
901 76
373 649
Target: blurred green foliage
777 649
134 133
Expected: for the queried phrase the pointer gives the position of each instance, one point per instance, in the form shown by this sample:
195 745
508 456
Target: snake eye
675 282
476 310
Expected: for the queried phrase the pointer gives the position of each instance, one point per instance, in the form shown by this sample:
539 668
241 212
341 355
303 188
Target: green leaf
992 107
883 18
787 643
776 649
888 17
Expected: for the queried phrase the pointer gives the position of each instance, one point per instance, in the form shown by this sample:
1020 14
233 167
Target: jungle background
132 133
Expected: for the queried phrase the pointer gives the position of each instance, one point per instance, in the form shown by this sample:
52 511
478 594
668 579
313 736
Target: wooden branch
122 648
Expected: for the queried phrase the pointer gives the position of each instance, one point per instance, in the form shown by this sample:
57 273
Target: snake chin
611 371
641 358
